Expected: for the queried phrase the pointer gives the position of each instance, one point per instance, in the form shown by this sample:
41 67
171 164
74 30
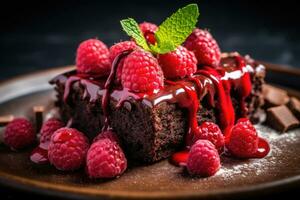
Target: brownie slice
149 128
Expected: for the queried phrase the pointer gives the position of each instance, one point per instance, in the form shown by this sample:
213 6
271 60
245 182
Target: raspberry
67 149
19 133
105 159
211 132
243 141
48 128
116 50
93 58
178 63
204 46
107 134
141 72
148 27
203 159
148 30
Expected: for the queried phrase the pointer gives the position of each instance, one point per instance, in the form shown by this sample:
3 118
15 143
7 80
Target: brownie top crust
94 88
152 126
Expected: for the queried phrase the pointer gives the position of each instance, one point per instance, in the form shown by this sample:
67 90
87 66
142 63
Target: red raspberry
148 27
48 128
107 134
116 50
19 133
211 132
148 30
67 149
243 141
105 159
203 159
178 63
141 72
93 58
204 46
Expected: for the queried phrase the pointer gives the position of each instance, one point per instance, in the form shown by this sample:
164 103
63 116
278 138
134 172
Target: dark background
40 35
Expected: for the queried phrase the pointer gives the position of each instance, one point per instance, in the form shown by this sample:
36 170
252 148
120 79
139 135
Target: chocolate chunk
294 106
38 111
274 96
4 120
281 118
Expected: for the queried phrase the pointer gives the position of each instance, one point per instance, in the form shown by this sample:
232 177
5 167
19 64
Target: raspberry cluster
143 71
68 149
203 158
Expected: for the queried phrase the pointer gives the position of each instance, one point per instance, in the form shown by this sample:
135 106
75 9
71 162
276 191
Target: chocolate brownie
150 127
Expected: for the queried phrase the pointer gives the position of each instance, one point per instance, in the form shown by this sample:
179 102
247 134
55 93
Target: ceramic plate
279 170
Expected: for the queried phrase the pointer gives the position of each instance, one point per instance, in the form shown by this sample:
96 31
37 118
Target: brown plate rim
92 193
72 192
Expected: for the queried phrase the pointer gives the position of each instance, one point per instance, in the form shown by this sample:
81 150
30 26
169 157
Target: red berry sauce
189 101
180 158
39 155
263 148
217 84
239 80
150 37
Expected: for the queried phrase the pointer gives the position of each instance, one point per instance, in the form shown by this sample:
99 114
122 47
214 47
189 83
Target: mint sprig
131 27
170 34
175 29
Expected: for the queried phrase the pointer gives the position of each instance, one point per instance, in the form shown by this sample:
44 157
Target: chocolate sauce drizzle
108 87
189 101
207 81
234 74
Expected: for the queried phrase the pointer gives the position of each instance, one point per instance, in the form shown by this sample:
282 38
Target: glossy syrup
108 88
224 104
263 148
180 158
190 102
150 37
233 76
39 155
224 82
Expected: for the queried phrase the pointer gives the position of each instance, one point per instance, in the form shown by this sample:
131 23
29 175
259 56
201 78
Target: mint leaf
163 47
175 29
131 27
170 34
